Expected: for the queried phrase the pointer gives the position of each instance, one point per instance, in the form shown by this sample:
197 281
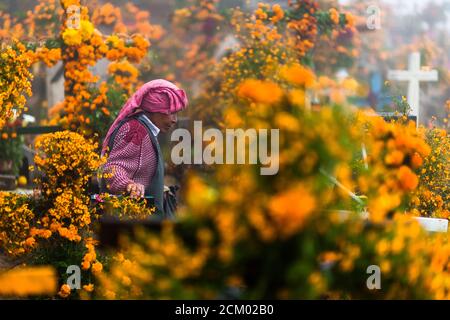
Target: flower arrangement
65 162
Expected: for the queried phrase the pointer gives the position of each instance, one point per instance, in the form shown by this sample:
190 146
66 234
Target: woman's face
164 122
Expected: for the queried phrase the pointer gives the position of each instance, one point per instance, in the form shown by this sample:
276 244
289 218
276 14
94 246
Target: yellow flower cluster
49 56
263 31
433 196
334 15
340 41
76 36
67 3
304 29
125 207
236 68
90 257
67 161
134 271
15 80
278 13
68 214
199 10
405 253
124 74
134 51
10 28
15 224
275 216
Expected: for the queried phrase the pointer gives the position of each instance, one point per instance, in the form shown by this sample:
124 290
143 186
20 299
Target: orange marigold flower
260 91
350 20
64 292
30 242
334 15
260 14
89 287
416 161
290 209
85 265
298 75
394 158
279 13
97 267
407 178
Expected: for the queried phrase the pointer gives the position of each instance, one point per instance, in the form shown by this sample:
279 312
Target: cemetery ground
358 207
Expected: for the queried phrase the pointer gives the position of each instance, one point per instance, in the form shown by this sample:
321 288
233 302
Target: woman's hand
136 190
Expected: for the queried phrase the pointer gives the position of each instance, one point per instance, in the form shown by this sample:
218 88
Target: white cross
414 75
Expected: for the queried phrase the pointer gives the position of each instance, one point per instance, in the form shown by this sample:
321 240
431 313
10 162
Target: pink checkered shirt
132 158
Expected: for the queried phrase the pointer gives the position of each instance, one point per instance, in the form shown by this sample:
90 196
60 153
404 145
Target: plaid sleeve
125 158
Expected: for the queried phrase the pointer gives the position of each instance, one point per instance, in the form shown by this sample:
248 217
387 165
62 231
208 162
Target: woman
135 164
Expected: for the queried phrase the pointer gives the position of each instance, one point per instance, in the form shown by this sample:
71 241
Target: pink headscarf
155 96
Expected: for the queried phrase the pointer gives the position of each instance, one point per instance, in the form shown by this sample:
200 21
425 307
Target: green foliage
11 150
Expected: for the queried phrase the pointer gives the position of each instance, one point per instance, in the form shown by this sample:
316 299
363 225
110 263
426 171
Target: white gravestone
433 224
414 75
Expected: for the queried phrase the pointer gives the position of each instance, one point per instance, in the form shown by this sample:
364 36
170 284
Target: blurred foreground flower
23 282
